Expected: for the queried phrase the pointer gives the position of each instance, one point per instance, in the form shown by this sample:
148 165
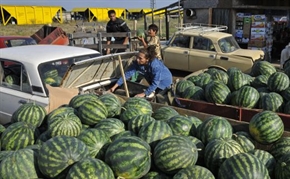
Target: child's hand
140 38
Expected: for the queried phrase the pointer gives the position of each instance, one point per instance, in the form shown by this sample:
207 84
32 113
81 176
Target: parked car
13 41
197 47
51 75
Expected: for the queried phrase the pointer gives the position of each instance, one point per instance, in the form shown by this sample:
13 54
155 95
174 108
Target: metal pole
178 13
152 3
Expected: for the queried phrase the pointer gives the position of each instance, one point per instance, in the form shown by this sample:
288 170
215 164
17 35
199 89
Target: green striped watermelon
205 78
214 127
247 97
278 82
262 68
266 127
129 157
237 79
283 167
217 92
218 74
174 153
154 131
194 172
123 134
280 148
113 104
137 122
194 93
2 129
287 108
181 125
12 79
155 175
59 153
17 136
245 143
96 141
130 113
78 100
19 164
260 81
286 94
141 104
182 85
49 81
92 112
43 137
232 69
193 79
61 110
272 101
267 159
30 113
243 165
111 126
90 168
200 146
164 113
218 150
67 124
6 153
51 73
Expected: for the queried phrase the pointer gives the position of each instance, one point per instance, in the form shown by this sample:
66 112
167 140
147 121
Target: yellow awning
79 9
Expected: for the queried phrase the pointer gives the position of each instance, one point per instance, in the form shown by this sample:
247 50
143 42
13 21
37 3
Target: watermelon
49 81
280 148
194 93
123 134
218 150
181 125
130 113
92 112
19 164
287 108
272 101
61 110
155 175
129 157
262 68
245 143
45 136
218 74
78 100
90 168
164 113
182 85
12 80
286 94
59 153
141 104
232 69
96 141
174 153
200 146
5 153
283 167
112 103
266 158
137 122
67 124
237 80
111 126
205 78
194 172
53 73
193 79
214 127
243 165
17 136
247 97
30 113
2 129
260 81
58 81
278 82
140 33
154 131
266 127
217 92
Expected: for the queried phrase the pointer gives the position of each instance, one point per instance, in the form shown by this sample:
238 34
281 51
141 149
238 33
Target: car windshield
228 44
52 72
20 42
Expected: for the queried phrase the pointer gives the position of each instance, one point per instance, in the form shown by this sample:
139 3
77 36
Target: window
19 42
202 43
181 41
228 44
14 76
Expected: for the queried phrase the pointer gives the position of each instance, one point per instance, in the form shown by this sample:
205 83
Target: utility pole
152 5
179 13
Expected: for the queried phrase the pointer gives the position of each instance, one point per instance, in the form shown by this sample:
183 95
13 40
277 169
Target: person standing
152 39
285 55
116 25
154 71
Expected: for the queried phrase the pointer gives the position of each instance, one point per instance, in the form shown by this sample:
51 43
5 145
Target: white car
29 74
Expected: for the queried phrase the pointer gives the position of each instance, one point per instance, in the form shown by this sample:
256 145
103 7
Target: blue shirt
155 72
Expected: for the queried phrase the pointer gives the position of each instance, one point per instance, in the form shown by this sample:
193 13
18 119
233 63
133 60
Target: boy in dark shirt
116 25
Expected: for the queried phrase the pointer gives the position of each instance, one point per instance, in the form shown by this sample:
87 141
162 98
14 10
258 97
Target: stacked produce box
243 25
261 35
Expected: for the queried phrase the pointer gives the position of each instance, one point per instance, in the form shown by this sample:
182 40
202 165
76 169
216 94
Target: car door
15 90
176 55
202 54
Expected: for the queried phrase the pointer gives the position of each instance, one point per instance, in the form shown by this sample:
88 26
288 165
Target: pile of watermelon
52 78
105 137
264 88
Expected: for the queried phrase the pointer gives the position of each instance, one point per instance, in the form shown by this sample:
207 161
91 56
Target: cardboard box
258 24
257 31
239 34
246 30
239 16
260 37
259 18
247 20
257 43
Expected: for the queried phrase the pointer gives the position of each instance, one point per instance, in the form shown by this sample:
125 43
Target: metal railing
199 27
